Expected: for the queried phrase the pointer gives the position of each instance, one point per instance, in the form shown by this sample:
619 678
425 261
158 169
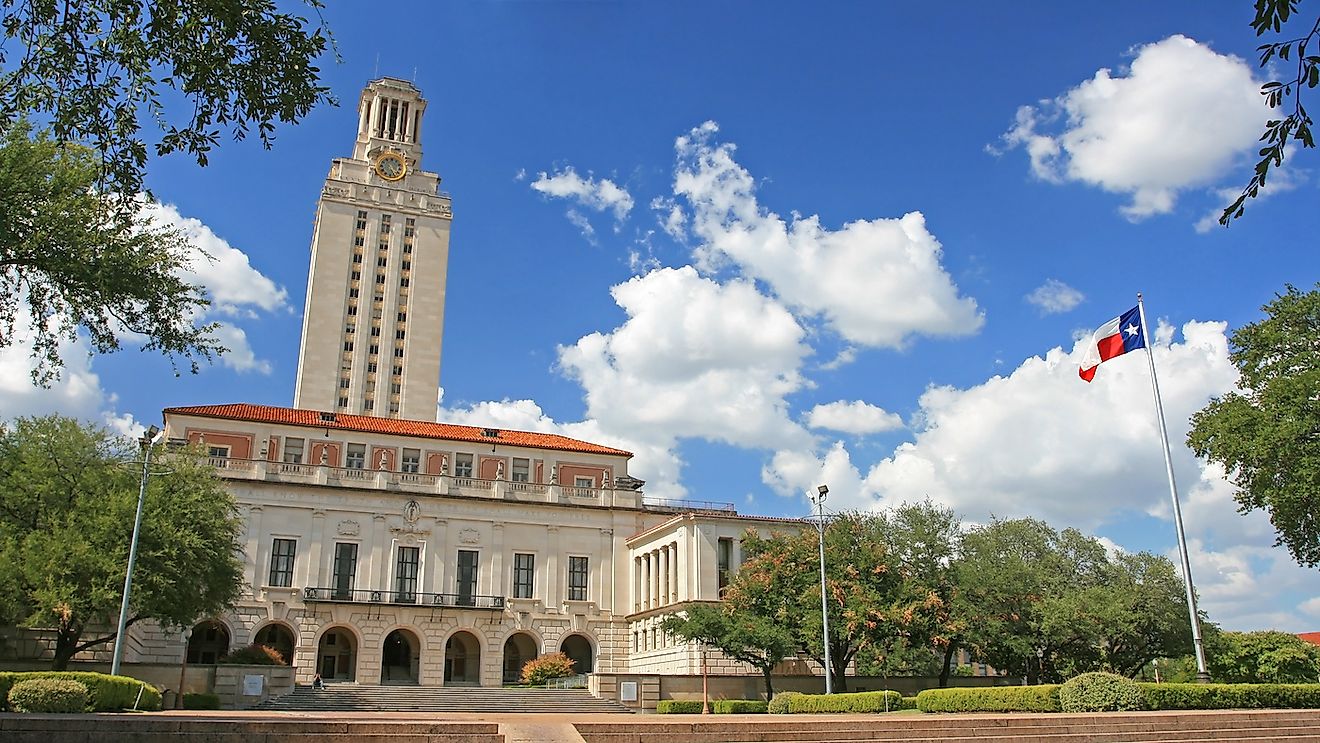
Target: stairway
369 698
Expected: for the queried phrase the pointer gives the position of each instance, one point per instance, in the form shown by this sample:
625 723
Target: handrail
415 598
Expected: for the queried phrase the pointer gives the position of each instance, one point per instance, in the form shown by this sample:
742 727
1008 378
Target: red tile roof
392 426
1311 637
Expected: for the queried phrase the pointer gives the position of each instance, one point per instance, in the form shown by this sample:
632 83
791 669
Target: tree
1271 15
70 257
89 71
1263 657
66 518
741 628
1267 434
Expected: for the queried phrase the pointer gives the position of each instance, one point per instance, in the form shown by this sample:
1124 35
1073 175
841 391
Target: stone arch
209 641
581 650
337 653
279 636
463 658
400 657
519 647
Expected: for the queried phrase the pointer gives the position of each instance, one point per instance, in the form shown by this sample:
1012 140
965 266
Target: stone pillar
646 581
497 582
254 550
313 566
664 575
439 559
673 572
655 577
553 581
637 584
380 558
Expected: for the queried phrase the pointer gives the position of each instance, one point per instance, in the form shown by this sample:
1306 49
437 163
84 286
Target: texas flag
1114 338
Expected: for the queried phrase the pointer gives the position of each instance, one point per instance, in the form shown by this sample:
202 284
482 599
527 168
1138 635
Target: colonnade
655 577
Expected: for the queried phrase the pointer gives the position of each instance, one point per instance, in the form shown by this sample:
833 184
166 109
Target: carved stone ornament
348 528
444 464
412 511
469 536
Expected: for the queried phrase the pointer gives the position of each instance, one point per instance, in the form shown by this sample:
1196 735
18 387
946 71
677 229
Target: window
375 332
358 242
465 580
357 257
412 459
584 482
396 388
524 571
352 310
217 451
353 293
371 367
384 224
577 579
343 402
369 405
345 570
343 384
521 470
373 349
462 465
357 456
356 275
380 278
382 261
348 345
394 407
293 451
403 281
407 248
405 575
725 557
398 335
396 370
350 328
398 353
281 562
407 265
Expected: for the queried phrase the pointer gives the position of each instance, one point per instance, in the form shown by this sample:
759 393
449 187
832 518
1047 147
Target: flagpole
1202 675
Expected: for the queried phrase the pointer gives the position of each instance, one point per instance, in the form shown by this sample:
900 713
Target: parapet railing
412 598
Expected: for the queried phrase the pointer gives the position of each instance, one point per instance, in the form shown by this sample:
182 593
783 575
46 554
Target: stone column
664 575
498 583
254 547
655 577
553 580
380 558
673 571
637 584
314 567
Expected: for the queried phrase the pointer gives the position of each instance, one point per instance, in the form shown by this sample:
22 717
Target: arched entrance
518 649
400 657
336 655
280 638
578 650
208 643
463 659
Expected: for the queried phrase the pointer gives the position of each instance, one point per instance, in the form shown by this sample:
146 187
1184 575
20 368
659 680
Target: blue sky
768 245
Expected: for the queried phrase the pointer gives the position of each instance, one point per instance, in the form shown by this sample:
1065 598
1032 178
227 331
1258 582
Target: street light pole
148 440
819 500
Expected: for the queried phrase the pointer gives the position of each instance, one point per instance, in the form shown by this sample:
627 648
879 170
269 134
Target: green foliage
48 695
66 512
780 703
1262 657
1042 698
1100 692
201 701
107 693
678 707
1271 15
71 258
859 702
738 707
742 630
254 655
1265 433
908 703
549 666
1231 696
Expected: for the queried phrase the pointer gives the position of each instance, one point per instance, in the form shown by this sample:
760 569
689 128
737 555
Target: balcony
396 598
421 483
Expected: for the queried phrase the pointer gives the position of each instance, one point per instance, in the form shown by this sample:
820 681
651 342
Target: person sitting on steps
317 683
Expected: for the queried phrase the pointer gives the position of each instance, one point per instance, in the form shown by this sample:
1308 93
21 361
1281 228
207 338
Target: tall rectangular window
524 573
412 460
357 456
281 562
465 580
577 579
405 575
521 470
462 465
725 565
345 570
293 450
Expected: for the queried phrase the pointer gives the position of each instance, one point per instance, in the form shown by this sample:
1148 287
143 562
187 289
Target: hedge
48 695
1231 696
738 707
779 704
201 701
862 701
908 703
1043 698
1100 692
106 693
678 707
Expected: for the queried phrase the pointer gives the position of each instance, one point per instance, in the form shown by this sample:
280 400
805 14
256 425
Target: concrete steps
369 698
201 729
1237 726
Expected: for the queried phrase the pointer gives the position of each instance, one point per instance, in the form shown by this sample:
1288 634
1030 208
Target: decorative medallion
348 528
412 511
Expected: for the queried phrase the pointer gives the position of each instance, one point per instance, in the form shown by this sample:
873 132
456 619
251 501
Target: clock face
391 167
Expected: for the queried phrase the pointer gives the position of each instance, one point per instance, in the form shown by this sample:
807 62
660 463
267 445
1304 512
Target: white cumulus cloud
855 417
595 194
1054 297
1178 119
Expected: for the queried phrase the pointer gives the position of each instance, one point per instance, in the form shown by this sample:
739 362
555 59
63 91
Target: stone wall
232 687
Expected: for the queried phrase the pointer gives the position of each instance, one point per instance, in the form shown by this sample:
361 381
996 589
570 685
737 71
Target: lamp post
705 689
147 441
819 500
183 669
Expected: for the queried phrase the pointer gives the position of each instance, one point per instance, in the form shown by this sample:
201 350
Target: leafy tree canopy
1263 658
738 629
1267 434
67 505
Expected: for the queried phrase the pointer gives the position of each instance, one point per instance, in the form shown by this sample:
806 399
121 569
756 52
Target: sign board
252 685
627 691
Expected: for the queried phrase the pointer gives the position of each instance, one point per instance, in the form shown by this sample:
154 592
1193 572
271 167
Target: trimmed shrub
1043 698
678 707
549 666
779 704
908 703
1100 692
737 707
7 679
254 655
48 695
106 693
862 701
201 701
1231 696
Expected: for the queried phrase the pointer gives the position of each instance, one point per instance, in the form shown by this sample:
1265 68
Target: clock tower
374 318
